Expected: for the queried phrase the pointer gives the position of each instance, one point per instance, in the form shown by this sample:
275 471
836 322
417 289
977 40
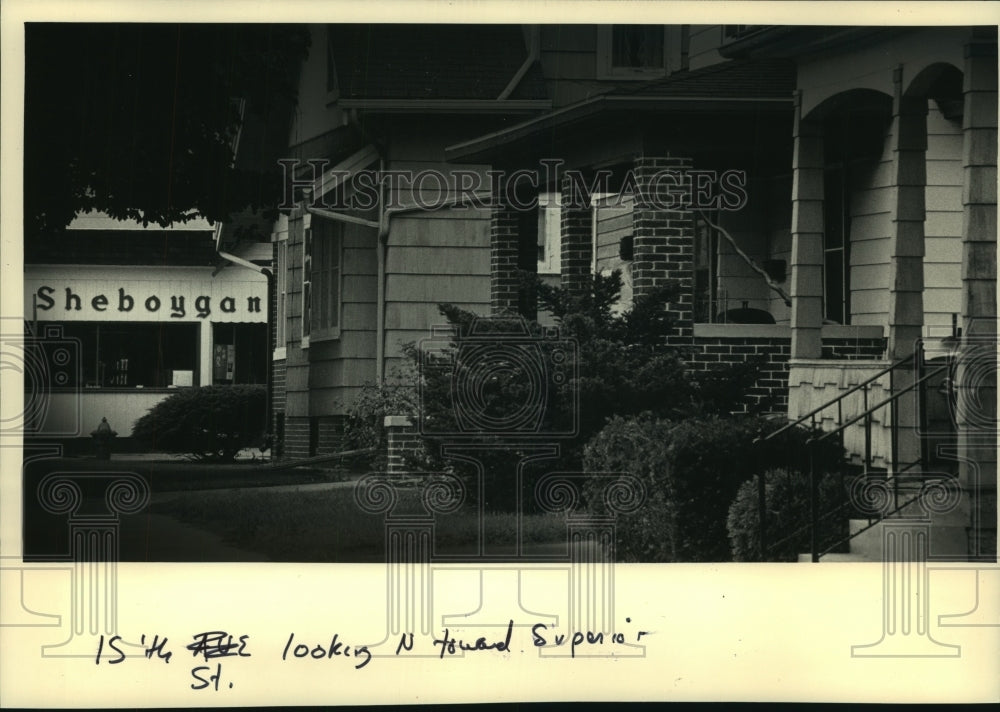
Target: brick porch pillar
976 372
503 260
663 235
906 260
807 237
576 227
402 440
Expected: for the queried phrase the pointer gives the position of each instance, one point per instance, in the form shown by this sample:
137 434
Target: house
119 315
824 197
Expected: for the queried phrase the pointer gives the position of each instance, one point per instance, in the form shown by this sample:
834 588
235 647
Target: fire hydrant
102 440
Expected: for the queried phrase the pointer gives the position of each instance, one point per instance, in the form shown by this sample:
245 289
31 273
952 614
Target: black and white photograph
512 308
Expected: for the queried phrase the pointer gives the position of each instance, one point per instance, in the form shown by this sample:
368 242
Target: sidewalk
158 538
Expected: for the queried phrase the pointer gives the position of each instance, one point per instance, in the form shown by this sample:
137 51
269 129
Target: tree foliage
138 120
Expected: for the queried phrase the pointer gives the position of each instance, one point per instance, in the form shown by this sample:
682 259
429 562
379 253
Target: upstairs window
631 51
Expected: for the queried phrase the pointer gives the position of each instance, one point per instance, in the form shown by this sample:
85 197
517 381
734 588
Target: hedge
210 422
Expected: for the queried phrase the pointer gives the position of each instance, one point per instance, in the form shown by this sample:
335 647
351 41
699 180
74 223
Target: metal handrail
872 524
838 399
868 411
918 384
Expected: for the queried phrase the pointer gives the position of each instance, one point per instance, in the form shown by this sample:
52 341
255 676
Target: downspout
382 254
382 251
533 52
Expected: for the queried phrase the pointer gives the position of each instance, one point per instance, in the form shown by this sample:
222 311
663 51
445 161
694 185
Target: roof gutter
450 106
589 107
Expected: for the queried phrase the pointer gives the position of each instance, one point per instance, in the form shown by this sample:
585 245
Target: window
631 51
134 354
280 290
836 247
239 353
549 233
325 264
307 251
706 255
733 32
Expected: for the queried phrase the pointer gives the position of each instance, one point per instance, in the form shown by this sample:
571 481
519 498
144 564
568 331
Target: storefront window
239 353
134 355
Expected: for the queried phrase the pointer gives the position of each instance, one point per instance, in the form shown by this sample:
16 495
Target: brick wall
296 438
503 260
576 235
663 237
403 439
854 349
278 404
330 434
317 435
770 392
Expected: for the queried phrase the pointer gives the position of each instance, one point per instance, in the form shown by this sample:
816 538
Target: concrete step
946 538
832 558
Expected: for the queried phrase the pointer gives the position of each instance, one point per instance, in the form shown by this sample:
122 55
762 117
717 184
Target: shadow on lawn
328 526
46 535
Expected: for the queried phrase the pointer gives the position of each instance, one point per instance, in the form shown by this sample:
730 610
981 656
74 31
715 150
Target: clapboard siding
399 315
703 45
870 232
943 226
614 222
438 260
434 257
568 55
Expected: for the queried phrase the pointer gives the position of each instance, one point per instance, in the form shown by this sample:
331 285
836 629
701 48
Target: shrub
364 426
210 423
624 367
691 470
788 513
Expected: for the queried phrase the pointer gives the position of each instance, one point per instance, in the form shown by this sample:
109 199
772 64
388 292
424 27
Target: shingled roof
752 78
410 62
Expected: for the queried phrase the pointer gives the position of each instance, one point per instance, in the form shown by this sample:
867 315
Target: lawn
327 525
176 475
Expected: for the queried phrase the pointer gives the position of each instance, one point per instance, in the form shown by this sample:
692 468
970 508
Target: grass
180 475
327 525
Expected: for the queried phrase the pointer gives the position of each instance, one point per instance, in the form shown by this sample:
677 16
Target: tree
138 120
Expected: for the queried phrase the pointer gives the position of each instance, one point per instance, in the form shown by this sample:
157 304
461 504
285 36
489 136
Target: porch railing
922 376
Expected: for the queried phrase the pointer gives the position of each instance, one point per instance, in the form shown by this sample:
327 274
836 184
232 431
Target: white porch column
205 353
975 374
807 237
906 285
